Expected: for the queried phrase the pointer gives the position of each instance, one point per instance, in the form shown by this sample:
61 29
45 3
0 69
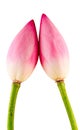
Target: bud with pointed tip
23 53
54 55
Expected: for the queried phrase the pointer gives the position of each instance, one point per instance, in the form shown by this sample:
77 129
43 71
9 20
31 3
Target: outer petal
23 53
54 55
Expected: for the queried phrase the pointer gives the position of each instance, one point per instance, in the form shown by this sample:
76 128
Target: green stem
12 103
61 86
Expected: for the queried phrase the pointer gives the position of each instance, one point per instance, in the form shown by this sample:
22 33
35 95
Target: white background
39 104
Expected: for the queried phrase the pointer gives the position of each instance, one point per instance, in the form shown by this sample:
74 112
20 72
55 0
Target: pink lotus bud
23 53
54 55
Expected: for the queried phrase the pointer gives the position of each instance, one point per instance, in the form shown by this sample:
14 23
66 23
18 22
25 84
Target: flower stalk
12 103
62 90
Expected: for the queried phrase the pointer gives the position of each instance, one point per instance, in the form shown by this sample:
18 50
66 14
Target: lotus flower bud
54 55
23 53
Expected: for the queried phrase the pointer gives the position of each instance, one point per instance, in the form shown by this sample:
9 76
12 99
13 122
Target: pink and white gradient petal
54 55
23 53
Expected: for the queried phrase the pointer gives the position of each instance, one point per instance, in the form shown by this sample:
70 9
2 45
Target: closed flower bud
23 53
54 55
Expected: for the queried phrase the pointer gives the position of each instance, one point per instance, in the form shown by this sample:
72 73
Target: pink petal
54 55
23 53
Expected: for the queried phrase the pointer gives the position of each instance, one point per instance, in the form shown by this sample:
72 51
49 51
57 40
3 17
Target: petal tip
44 19
43 15
30 23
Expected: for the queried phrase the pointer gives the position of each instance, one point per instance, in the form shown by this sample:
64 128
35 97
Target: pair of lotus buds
26 47
54 57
